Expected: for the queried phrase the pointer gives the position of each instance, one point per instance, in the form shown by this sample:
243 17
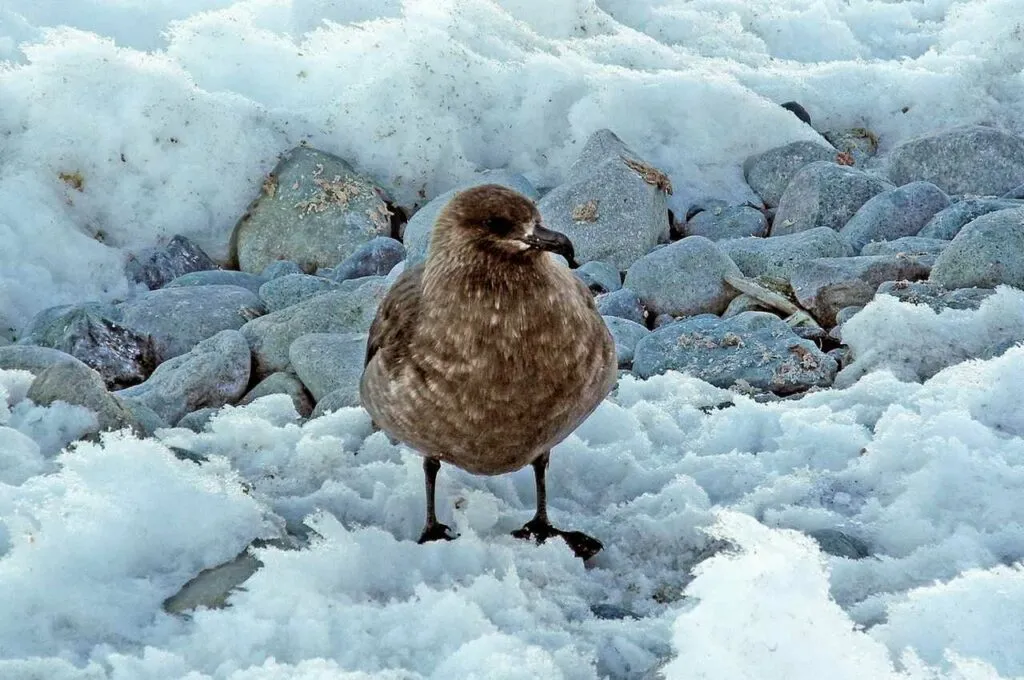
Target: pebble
987 252
725 222
770 172
798 111
291 289
177 319
779 255
282 383
684 278
75 383
947 223
824 194
973 159
314 209
326 362
219 277
215 372
754 348
155 267
626 334
599 277
935 295
894 214
623 303
374 258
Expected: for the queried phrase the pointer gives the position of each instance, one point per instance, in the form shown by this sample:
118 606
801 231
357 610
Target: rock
843 356
663 320
835 542
92 334
291 289
754 348
826 285
279 268
770 172
421 224
212 587
215 372
219 277
271 336
824 194
856 145
908 245
742 303
314 209
613 207
623 303
148 419
1016 193
987 252
847 313
626 334
155 267
373 258
779 255
32 358
934 295
894 214
798 111
966 160
197 420
600 277
346 397
612 612
326 362
76 383
684 278
947 223
282 383
179 318
726 222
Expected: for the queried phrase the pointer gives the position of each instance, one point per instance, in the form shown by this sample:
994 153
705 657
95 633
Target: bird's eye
499 226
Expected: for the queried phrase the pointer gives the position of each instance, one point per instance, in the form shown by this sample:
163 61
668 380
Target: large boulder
374 258
946 224
967 160
770 172
291 289
894 214
719 222
684 278
987 252
326 362
779 255
824 194
77 384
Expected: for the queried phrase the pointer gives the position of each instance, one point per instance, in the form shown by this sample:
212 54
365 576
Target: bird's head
501 222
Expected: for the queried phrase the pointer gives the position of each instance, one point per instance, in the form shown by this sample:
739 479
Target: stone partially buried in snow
770 172
935 295
291 289
987 252
727 222
756 348
967 160
214 373
894 214
826 285
626 334
179 318
282 383
684 278
345 397
313 209
326 362
421 224
157 266
613 207
219 277
33 359
340 311
76 383
856 145
623 303
948 223
779 255
824 194
374 258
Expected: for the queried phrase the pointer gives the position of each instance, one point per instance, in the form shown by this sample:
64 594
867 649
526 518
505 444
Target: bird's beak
543 238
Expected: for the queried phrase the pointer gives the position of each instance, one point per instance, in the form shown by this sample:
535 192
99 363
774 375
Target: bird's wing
396 317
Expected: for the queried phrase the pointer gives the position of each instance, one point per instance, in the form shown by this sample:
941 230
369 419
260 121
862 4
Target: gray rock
212 587
291 289
92 333
727 222
271 336
373 258
155 267
935 295
215 372
623 303
754 348
779 255
835 542
626 334
282 383
847 313
219 277
615 212
421 224
314 209
148 419
197 420
279 268
967 160
947 223
798 110
179 318
987 252
908 245
600 277
76 383
612 612
842 355
770 172
858 145
1016 193
326 362
684 278
346 397
826 285
33 359
894 214
824 194
742 303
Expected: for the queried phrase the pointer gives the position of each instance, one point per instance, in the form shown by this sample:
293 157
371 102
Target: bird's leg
433 530
540 529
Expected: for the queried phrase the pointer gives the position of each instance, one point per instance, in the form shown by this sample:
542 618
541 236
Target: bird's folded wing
396 318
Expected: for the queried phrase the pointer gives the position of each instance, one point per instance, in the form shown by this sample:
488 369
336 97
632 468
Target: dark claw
436 532
582 545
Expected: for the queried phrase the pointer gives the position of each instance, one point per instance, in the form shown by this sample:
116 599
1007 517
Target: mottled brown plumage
490 353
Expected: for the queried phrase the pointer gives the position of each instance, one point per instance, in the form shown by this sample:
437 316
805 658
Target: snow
172 111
